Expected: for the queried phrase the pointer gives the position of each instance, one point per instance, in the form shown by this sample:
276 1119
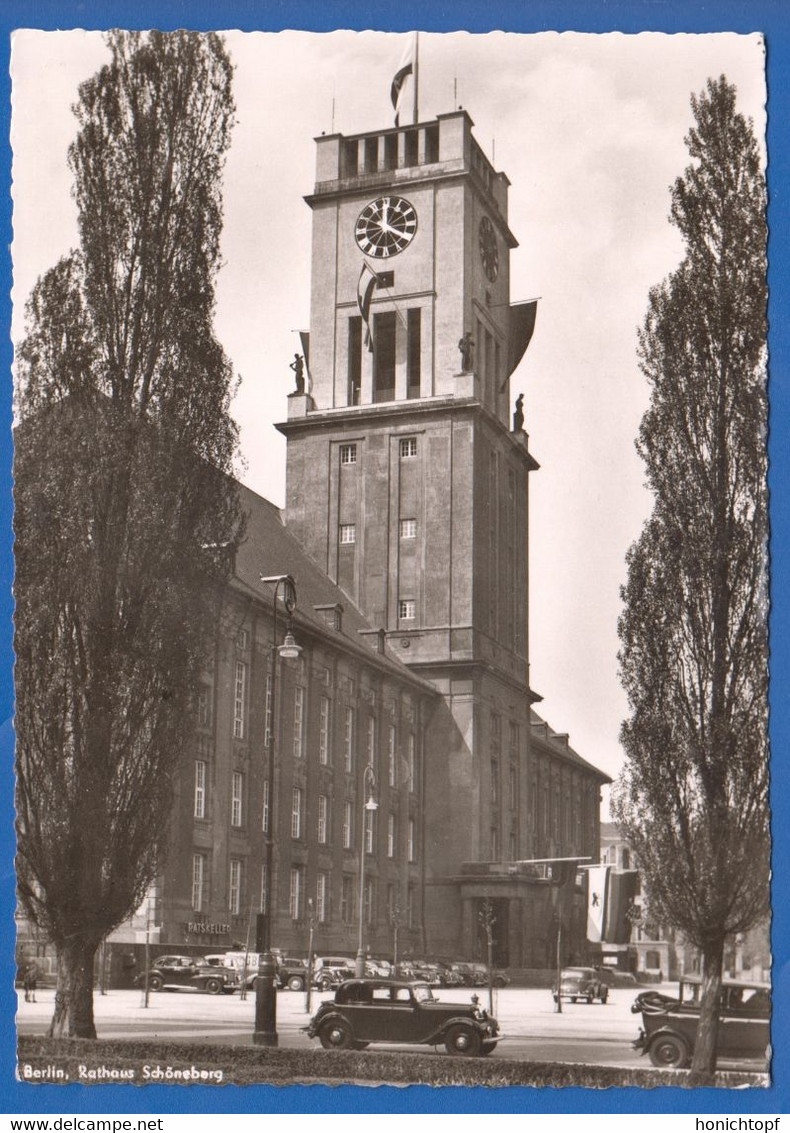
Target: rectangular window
384 356
321 897
296 812
295 896
200 788
265 815
513 786
236 792
267 735
411 844
347 899
204 707
239 700
390 835
408 447
354 359
348 533
347 827
408 529
323 811
392 904
298 722
242 641
370 818
494 782
234 890
348 454
411 758
413 350
392 755
410 906
323 731
371 741
348 740
370 900
406 609
198 881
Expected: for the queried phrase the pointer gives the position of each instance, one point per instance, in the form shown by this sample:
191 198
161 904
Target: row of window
407 610
407 529
323 824
296 903
407 449
297 809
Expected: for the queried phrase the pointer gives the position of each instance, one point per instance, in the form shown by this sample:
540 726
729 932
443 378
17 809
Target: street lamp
265 1033
368 810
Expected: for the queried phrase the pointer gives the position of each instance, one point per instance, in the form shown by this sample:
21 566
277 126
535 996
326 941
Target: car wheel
669 1051
462 1040
324 985
296 983
336 1035
155 983
499 982
604 996
213 987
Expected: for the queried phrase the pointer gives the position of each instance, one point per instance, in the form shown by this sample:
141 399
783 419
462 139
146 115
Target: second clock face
385 227
489 252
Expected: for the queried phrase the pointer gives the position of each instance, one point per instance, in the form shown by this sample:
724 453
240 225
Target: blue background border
769 16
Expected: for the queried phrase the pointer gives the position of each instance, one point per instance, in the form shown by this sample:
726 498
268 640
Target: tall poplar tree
122 481
693 797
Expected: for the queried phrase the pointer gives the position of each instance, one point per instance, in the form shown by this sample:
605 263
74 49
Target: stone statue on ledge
298 368
466 344
518 415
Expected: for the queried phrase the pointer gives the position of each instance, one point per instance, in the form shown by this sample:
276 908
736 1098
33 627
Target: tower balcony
427 150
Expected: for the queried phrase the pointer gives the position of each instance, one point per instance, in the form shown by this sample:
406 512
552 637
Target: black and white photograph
391 558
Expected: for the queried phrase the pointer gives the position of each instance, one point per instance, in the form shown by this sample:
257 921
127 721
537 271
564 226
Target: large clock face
385 227
488 249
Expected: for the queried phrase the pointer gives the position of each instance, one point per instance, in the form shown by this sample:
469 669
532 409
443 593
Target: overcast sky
589 129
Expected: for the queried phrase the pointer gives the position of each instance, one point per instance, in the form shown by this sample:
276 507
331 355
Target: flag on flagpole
367 282
406 67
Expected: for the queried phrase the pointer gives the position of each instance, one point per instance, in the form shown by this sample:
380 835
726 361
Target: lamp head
289 649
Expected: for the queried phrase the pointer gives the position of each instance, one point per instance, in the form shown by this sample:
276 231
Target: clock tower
406 481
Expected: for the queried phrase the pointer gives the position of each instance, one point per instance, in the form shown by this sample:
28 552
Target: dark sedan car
173 972
581 983
670 1022
394 1011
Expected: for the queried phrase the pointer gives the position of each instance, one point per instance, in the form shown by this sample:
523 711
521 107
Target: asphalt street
599 1034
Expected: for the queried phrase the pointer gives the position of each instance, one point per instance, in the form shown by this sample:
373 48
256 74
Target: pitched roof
559 745
269 548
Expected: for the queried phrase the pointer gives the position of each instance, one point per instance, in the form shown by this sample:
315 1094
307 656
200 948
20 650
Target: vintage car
395 1011
581 983
330 976
169 973
498 978
670 1023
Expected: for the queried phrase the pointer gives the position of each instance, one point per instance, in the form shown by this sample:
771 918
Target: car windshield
422 993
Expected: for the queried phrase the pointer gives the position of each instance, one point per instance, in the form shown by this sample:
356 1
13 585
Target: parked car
499 978
464 973
171 972
292 973
330 976
396 1011
670 1023
581 983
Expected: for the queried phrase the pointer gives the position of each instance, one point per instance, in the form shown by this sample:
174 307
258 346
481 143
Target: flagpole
416 76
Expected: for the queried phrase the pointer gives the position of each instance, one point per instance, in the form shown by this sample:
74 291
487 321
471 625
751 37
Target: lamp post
265 1033
368 808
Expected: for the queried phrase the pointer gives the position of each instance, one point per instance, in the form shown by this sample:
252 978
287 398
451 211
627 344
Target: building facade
406 531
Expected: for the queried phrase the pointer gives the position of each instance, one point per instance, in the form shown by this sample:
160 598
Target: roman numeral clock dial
385 227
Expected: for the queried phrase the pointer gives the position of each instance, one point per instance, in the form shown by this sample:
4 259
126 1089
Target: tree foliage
693 798
122 473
